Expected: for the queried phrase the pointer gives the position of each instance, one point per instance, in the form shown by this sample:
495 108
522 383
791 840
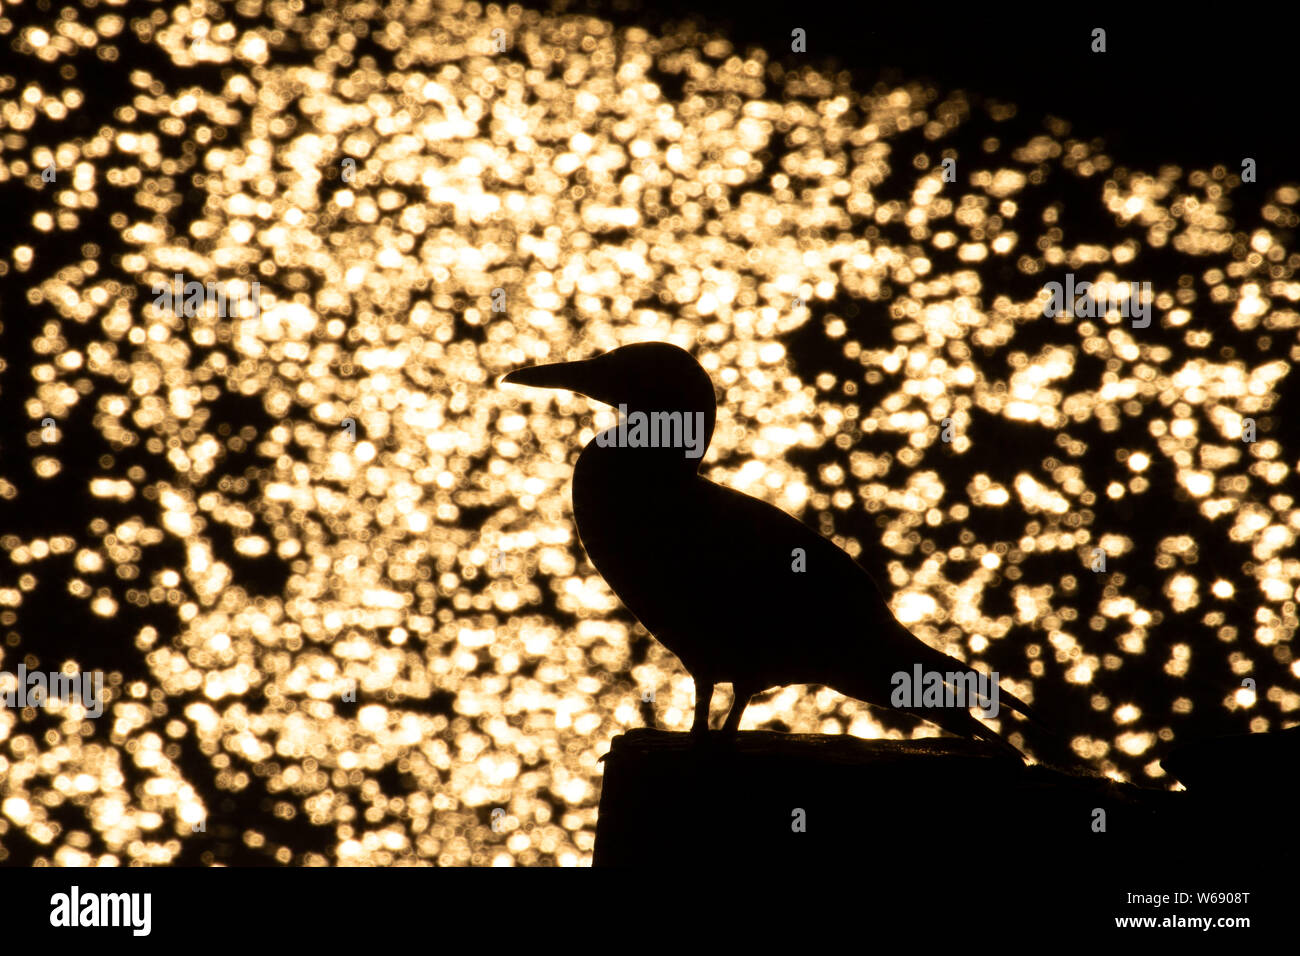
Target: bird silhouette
738 590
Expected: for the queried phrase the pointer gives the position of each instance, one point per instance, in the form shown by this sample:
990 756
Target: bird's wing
791 600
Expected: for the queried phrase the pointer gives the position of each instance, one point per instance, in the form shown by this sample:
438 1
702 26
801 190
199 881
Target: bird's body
690 557
740 591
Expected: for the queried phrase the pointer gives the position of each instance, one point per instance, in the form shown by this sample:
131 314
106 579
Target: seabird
738 590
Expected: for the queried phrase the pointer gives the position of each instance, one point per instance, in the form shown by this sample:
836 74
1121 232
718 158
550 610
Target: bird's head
648 377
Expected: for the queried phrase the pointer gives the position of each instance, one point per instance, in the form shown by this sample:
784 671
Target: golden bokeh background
522 188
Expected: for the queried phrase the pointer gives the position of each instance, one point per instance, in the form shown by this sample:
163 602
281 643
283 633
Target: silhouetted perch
904 809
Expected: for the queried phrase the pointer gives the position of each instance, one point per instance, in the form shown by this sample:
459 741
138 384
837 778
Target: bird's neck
661 440
665 444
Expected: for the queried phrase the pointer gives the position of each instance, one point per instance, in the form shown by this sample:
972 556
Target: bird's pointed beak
571 376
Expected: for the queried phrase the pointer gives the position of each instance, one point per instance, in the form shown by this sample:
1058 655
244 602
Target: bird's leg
703 697
740 701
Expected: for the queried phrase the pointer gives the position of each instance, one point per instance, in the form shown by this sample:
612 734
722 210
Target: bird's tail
964 724
944 664
1023 709
1048 744
1040 735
